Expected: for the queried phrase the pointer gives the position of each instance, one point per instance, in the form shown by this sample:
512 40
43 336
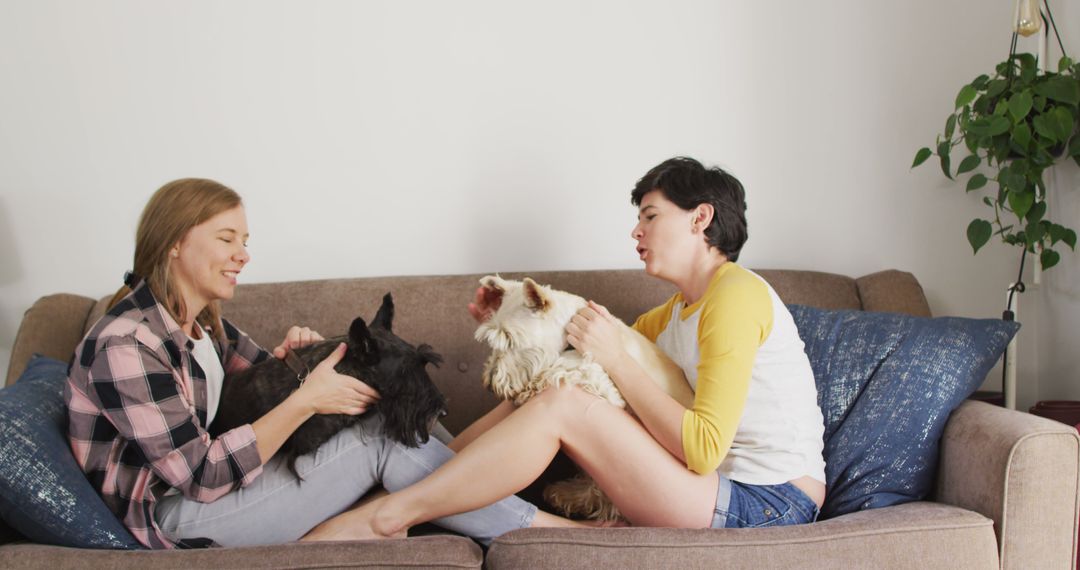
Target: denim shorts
739 505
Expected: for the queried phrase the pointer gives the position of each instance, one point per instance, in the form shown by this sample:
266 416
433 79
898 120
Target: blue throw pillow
886 386
43 493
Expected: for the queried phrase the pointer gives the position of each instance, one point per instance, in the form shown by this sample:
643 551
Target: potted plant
1013 126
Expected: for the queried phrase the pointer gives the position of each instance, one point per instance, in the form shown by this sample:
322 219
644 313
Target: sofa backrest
432 309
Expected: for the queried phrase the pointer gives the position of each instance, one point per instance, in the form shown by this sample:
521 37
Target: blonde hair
169 215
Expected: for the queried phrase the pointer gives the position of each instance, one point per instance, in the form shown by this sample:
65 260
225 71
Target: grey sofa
1007 486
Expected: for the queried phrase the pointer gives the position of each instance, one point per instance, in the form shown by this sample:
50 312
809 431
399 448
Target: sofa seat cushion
443 551
43 493
913 535
886 385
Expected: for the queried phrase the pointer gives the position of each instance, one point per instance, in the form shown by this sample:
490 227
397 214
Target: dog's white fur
530 354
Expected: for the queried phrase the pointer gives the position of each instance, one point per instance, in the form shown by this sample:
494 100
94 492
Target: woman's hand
296 337
328 392
485 304
594 332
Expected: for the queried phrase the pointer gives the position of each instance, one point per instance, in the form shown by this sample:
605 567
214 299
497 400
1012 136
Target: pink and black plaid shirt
136 403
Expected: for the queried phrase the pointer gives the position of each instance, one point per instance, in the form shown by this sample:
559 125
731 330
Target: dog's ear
428 355
493 282
537 297
385 317
362 342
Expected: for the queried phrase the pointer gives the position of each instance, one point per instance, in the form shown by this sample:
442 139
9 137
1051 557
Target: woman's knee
558 400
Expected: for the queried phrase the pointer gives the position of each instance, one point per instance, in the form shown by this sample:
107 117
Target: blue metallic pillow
43 493
886 386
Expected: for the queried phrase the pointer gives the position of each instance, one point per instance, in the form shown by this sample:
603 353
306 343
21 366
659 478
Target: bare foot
354 524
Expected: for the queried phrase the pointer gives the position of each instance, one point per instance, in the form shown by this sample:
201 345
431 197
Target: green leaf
1048 258
1034 233
950 126
1070 238
1056 233
998 125
1027 61
995 87
1013 180
1045 126
1036 213
969 163
1060 88
977 181
980 81
987 200
989 127
943 152
1022 136
1020 106
1063 123
1020 202
1028 72
966 95
978 233
921 156
1063 64
1021 166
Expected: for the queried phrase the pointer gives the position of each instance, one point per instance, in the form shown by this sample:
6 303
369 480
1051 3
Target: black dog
409 401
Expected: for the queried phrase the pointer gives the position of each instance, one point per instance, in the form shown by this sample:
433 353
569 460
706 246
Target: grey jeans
277 508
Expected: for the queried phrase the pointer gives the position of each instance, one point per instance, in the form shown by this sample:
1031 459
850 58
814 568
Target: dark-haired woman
747 453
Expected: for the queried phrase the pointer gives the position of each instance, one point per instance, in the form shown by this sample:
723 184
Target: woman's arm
325 391
595 331
143 396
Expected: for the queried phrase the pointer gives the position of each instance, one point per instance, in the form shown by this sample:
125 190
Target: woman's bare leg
477 428
648 484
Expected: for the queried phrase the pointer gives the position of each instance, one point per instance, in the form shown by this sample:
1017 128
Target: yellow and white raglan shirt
755 417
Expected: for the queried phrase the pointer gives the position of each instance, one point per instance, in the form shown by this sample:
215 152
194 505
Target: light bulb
1028 19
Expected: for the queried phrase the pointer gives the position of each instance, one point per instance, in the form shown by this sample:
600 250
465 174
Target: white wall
427 137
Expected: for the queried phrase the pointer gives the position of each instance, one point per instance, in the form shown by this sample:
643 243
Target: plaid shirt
136 403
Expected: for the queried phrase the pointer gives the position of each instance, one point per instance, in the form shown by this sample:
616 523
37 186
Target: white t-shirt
208 359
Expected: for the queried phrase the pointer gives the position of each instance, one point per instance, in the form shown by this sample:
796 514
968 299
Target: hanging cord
1009 315
1050 15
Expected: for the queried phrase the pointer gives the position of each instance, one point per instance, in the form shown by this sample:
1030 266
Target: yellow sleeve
736 319
652 323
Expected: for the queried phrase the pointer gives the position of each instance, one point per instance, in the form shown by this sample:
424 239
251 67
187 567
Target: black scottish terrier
409 401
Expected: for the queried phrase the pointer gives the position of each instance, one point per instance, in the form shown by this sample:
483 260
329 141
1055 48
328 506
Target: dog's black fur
409 401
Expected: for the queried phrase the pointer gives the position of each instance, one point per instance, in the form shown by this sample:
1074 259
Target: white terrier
530 353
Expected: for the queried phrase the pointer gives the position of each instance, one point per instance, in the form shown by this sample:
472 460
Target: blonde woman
145 383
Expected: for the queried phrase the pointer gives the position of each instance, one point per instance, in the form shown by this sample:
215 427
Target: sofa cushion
43 493
913 535
886 386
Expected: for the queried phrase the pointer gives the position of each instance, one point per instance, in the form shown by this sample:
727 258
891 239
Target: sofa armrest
1020 470
53 326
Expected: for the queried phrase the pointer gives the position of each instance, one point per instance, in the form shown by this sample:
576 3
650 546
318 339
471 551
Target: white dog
530 353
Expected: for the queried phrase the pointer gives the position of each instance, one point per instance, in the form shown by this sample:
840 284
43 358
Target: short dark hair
687 183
